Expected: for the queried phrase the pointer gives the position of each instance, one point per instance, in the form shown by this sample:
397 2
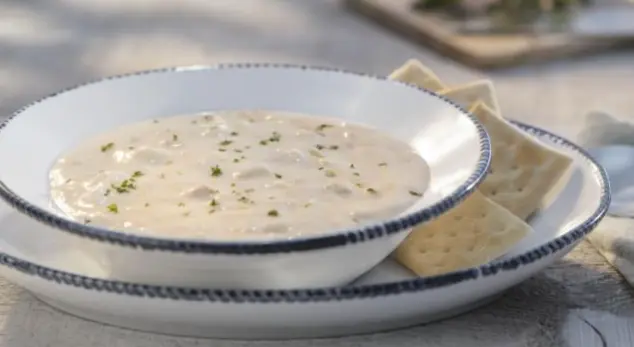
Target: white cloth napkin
614 237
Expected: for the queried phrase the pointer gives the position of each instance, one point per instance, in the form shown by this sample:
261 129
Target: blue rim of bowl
339 293
334 239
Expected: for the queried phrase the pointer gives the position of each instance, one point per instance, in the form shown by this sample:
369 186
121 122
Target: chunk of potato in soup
234 175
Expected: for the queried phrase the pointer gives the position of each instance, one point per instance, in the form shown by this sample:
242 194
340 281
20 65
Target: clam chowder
238 175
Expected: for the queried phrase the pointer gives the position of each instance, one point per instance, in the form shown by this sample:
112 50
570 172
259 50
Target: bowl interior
448 139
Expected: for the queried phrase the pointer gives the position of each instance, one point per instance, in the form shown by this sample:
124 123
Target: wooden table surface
47 45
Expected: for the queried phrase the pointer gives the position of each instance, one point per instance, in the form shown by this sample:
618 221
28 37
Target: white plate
385 298
453 143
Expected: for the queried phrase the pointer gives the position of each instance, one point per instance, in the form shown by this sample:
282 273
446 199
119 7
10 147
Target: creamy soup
238 175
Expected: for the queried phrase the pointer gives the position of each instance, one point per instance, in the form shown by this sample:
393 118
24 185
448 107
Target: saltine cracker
523 171
473 233
414 72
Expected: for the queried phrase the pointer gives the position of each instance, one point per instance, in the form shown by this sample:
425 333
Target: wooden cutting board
484 51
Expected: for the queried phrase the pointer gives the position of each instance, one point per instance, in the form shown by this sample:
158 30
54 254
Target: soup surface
235 175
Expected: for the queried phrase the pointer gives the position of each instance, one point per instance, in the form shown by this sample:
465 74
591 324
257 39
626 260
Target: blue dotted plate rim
335 239
340 293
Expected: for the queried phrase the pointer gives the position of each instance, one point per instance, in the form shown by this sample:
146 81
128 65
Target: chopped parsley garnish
382 164
330 173
137 174
107 147
334 147
414 193
352 166
221 150
371 190
213 202
125 186
181 204
216 171
226 143
244 199
356 174
236 160
323 127
174 137
278 176
360 185
273 213
234 133
113 208
264 142
275 137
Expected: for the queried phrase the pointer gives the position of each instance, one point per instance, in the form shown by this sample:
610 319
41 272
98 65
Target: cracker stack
489 222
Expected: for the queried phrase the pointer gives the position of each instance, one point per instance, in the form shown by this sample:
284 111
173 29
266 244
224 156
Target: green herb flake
237 150
415 193
273 213
234 133
383 164
319 147
330 173
174 137
181 204
216 171
213 202
244 199
307 205
225 143
113 208
264 142
371 191
352 166
233 185
278 176
107 192
359 185
333 147
137 174
356 174
275 137
186 214
323 127
107 147
221 150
